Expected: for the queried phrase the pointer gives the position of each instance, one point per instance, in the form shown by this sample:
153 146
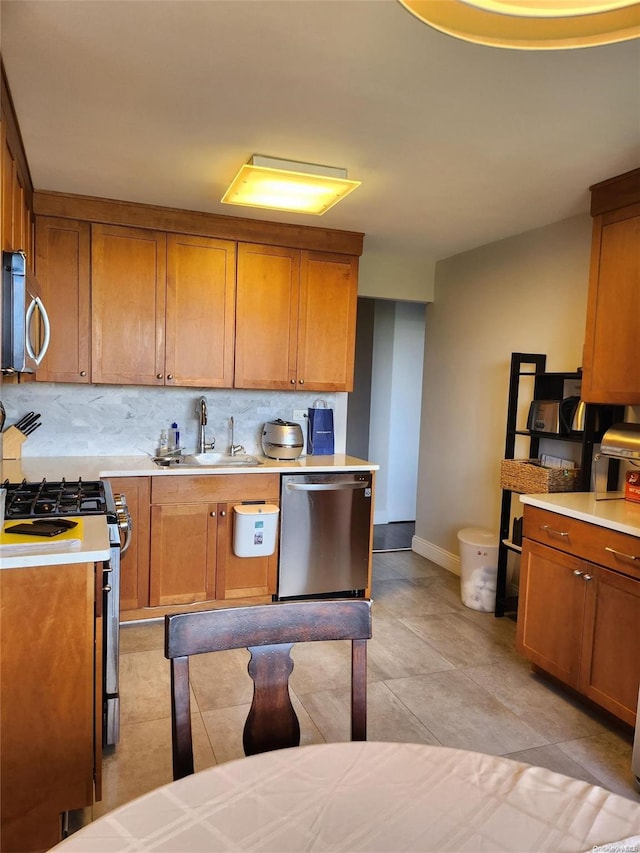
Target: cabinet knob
587 577
222 513
293 381
301 381
83 373
212 514
578 573
169 375
106 588
158 376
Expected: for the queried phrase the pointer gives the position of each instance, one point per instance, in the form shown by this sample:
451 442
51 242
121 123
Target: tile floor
394 536
439 673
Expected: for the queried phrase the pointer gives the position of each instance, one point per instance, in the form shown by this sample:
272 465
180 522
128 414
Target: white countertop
92 546
93 467
615 512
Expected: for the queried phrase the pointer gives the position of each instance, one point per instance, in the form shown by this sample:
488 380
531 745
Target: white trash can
478 568
254 531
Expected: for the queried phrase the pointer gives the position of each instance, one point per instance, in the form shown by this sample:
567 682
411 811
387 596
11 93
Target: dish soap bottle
174 437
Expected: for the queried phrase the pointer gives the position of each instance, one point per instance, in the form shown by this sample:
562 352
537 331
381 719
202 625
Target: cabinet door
266 317
327 322
47 667
16 216
183 553
62 268
242 577
551 610
611 365
201 275
611 661
134 566
128 284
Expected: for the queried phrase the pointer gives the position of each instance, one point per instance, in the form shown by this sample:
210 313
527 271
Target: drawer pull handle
587 577
552 531
621 554
578 573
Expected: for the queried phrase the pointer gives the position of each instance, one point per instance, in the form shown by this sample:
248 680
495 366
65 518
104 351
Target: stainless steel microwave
25 325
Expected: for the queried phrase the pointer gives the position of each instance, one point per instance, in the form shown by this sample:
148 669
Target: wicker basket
529 477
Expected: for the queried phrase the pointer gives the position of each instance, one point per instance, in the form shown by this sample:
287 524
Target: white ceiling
456 145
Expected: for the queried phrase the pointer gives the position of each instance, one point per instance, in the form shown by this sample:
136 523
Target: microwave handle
36 302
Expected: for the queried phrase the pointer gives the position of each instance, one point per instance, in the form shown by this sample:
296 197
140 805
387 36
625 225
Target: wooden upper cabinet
62 269
295 326
611 367
327 321
15 190
128 292
268 282
200 316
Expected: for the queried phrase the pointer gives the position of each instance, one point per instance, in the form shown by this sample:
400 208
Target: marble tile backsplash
115 420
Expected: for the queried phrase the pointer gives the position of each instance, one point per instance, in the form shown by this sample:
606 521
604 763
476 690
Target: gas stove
46 500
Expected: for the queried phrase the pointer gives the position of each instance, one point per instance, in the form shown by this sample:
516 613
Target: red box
632 486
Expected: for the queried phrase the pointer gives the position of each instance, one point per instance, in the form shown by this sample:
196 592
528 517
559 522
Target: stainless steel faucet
235 448
201 412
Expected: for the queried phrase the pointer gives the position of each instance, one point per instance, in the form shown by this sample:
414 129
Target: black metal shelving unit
598 418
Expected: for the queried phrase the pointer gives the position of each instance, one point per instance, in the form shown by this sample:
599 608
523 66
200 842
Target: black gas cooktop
44 499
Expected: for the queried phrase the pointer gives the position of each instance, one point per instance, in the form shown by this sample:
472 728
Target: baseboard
437 555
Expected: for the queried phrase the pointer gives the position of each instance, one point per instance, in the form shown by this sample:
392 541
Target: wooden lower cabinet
243 577
183 553
134 565
551 611
610 672
580 622
50 729
192 558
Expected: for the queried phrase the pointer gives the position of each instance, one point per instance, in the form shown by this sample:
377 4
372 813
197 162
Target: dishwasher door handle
326 487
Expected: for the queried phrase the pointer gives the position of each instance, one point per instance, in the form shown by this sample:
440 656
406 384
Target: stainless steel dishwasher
325 533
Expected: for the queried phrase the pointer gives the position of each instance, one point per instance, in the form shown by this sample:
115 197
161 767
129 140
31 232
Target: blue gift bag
320 429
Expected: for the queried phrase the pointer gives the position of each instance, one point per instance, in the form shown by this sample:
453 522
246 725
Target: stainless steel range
77 498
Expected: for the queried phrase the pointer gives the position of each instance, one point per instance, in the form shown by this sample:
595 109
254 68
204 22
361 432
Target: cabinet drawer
214 487
590 542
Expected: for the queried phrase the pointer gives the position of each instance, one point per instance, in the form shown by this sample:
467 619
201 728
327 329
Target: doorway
383 415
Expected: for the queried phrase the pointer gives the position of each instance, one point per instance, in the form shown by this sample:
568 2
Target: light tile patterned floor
439 673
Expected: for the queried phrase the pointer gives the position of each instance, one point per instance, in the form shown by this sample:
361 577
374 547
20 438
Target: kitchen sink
208 460
221 460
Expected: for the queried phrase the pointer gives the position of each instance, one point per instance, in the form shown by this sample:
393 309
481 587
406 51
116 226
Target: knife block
12 440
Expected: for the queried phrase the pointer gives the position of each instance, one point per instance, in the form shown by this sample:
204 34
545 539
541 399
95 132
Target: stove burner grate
44 499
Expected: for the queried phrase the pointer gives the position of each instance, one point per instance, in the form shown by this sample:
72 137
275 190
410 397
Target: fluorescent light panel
288 185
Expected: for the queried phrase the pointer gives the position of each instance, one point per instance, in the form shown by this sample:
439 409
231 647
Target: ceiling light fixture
532 24
287 185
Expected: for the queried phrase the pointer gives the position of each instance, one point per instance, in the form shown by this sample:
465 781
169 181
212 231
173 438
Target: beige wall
391 273
524 294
